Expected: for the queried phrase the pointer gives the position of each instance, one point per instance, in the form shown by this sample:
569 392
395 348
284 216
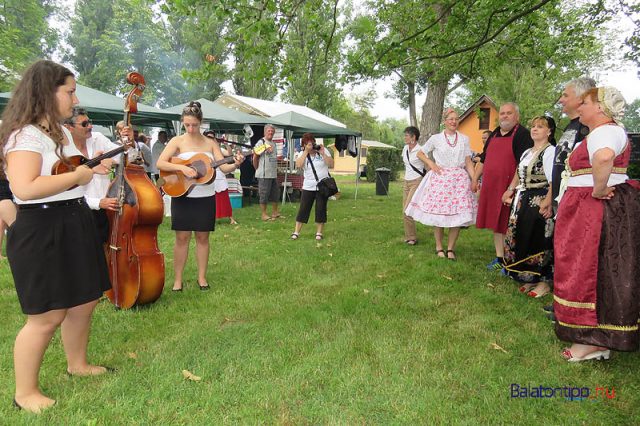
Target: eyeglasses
85 123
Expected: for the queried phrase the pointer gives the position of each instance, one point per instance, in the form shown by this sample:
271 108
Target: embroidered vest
534 177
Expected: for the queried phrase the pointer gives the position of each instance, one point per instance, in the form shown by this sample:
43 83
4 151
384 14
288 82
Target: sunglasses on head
85 123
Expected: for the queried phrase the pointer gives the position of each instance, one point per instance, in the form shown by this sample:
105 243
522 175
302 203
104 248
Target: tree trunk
432 109
411 89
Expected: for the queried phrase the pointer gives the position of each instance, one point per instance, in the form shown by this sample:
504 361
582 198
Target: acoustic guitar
176 184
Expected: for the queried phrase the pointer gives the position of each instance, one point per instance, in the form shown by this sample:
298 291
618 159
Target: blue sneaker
495 265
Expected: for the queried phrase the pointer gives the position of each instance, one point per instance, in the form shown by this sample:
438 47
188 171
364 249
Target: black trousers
102 224
306 202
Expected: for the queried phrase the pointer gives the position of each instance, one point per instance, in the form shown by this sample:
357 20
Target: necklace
451 144
48 132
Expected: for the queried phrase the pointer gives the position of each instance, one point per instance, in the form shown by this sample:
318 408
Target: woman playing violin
196 210
57 263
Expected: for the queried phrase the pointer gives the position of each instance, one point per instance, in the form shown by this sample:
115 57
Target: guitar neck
234 143
225 160
95 161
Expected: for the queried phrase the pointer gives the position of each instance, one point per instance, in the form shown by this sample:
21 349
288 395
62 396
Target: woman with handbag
316 161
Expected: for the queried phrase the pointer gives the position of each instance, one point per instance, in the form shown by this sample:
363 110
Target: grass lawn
358 329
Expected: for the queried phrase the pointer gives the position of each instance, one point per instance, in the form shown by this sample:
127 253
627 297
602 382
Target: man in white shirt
91 145
145 152
156 150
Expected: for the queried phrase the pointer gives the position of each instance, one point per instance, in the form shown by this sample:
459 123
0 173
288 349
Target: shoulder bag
327 186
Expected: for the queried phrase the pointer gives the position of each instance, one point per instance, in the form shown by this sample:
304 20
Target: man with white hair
498 161
266 173
573 133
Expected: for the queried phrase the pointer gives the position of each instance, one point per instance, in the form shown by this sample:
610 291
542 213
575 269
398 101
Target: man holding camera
266 173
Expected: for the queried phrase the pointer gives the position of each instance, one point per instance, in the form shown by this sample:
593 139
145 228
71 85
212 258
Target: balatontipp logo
569 393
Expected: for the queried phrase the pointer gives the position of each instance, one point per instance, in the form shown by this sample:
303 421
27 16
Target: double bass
136 264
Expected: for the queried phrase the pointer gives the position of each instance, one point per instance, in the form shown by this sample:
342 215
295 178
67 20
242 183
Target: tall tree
458 38
25 35
631 118
108 40
311 56
288 46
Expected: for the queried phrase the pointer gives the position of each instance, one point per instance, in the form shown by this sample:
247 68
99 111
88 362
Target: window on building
483 118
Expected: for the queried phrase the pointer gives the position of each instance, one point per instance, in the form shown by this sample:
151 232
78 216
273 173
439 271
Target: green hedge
389 158
634 170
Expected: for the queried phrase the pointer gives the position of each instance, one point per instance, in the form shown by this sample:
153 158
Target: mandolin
176 184
74 161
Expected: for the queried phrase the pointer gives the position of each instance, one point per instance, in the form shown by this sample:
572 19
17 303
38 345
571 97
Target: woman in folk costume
223 201
529 238
444 198
596 299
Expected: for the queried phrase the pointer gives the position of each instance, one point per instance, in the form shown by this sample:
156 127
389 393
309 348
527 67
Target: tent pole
359 144
288 134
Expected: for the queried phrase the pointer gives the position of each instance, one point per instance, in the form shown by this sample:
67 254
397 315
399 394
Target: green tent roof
107 110
302 124
222 118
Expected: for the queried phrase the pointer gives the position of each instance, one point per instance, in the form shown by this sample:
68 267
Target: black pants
306 202
102 224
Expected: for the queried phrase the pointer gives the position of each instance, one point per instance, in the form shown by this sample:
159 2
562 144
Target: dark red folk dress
597 272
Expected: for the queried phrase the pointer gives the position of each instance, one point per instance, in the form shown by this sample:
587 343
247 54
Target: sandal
441 251
597 355
411 242
526 288
454 258
295 236
540 290
319 236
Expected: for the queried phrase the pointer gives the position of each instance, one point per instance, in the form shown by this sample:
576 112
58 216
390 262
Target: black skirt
56 259
193 214
5 191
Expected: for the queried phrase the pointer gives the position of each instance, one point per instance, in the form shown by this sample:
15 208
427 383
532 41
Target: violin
71 163
136 264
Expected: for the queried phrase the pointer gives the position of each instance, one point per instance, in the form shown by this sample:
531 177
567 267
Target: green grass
357 329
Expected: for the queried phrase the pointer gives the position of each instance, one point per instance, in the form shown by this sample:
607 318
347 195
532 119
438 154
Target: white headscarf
612 102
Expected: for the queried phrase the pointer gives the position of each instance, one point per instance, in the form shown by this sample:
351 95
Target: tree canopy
305 51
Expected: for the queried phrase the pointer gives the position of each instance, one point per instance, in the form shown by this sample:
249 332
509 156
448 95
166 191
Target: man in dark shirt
573 133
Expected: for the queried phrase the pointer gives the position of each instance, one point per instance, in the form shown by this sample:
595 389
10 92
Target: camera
317 147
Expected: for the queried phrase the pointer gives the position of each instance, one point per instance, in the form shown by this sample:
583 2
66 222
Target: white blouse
409 173
612 137
547 162
31 139
310 183
220 182
446 155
